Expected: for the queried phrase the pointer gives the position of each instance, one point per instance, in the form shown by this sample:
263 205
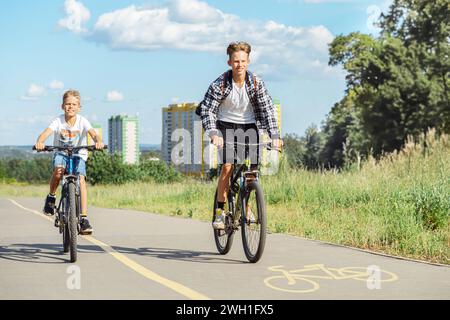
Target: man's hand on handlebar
217 141
277 144
99 145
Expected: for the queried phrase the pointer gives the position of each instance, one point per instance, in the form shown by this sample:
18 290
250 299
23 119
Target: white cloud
56 85
197 26
77 15
114 96
329 1
36 119
34 92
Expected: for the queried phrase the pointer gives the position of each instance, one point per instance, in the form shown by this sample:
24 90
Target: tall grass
399 204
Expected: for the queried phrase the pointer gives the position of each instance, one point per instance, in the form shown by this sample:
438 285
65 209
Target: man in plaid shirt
237 106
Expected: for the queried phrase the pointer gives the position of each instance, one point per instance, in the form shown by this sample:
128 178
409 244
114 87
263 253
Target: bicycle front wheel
254 222
223 238
65 225
72 223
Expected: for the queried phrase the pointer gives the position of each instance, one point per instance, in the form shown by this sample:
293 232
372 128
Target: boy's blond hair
73 93
238 46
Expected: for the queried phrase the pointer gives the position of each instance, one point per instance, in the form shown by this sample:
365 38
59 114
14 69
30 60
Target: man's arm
98 142
209 110
40 143
268 115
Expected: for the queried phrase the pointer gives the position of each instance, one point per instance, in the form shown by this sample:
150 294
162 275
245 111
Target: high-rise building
98 129
124 138
267 157
180 122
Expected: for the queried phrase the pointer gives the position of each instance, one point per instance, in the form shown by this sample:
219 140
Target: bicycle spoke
252 226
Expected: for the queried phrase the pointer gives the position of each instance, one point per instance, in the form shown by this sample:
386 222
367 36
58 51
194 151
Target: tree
295 150
399 80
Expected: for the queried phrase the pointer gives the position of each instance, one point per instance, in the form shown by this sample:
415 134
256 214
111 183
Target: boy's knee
58 172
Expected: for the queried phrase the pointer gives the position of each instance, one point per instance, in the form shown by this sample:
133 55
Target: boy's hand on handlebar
39 146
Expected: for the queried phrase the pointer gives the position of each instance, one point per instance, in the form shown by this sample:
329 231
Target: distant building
267 157
182 116
124 138
98 129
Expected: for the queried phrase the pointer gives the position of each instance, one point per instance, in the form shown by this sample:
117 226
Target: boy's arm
40 143
98 142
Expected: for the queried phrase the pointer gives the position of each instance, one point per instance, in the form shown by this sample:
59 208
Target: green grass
399 205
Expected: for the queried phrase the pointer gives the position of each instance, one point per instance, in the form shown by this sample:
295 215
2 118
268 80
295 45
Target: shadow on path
44 253
177 254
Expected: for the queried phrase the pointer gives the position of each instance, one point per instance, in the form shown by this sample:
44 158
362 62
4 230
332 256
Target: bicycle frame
68 177
238 181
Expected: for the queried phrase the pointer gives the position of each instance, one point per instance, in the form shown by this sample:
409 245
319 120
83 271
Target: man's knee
227 168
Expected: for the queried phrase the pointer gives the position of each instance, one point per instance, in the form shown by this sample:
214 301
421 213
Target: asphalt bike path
138 255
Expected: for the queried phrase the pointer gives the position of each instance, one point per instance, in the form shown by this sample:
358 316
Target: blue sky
137 56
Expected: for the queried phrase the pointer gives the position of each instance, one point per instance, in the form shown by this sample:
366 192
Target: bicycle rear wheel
254 222
223 238
72 223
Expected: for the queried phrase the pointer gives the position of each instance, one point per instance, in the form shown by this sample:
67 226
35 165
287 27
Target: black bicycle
67 215
246 208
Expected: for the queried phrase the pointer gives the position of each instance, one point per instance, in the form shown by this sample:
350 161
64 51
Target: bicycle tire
223 238
72 223
254 254
66 235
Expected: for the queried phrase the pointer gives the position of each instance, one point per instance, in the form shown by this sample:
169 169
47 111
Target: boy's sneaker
49 207
219 221
86 228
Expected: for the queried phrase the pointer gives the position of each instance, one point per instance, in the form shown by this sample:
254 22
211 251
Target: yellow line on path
177 287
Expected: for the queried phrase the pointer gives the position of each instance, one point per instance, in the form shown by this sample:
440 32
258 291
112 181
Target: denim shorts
79 165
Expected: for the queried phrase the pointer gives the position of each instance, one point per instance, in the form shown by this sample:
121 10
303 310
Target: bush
432 207
37 170
104 168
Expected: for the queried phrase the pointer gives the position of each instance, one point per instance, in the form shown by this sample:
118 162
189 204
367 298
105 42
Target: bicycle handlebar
70 149
267 145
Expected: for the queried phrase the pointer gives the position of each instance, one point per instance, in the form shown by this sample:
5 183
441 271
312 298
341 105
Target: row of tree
101 168
397 85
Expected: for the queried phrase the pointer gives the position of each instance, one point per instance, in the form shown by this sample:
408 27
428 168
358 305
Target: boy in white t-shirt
69 129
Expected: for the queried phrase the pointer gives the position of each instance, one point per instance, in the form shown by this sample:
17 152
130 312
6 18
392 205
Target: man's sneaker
49 207
86 228
219 221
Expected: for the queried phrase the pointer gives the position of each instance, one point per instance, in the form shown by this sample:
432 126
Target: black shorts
242 134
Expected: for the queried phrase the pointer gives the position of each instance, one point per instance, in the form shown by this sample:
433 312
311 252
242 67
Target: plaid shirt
261 101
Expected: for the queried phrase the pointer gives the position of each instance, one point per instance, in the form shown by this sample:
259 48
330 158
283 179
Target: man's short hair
73 93
238 46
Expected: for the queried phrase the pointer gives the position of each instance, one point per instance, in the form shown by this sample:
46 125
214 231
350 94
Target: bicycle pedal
57 223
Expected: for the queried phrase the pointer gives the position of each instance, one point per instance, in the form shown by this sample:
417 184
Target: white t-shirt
236 108
67 136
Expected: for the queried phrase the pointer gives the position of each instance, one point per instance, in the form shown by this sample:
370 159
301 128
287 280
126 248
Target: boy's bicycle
246 208
68 211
